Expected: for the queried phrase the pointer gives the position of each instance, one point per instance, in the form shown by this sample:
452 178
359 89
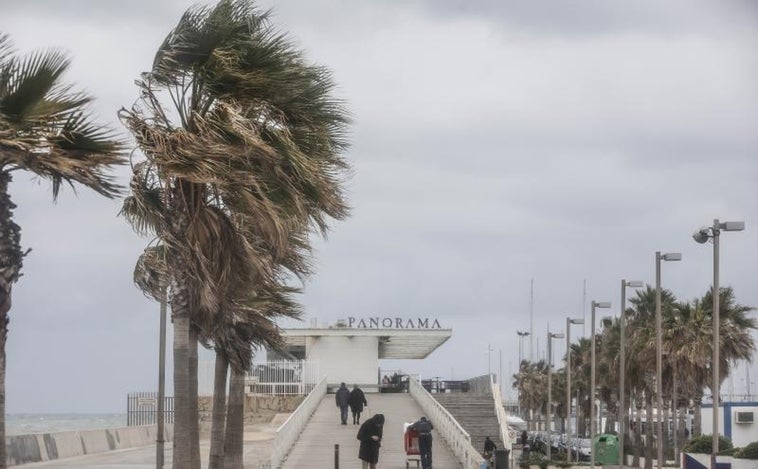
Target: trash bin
501 458
606 449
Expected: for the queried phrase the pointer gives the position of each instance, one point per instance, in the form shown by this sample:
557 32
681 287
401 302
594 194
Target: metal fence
282 377
142 409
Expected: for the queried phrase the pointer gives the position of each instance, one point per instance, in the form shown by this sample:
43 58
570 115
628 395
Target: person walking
424 428
370 436
342 398
489 450
357 401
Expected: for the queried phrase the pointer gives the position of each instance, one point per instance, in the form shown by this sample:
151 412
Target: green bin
606 449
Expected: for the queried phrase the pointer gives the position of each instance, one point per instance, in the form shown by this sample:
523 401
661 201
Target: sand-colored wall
258 408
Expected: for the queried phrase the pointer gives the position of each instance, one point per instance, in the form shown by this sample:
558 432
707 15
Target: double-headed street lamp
595 304
669 256
550 336
623 425
569 322
702 236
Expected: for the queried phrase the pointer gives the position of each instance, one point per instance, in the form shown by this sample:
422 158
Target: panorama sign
393 323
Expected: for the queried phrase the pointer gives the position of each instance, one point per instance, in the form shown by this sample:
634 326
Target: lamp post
489 361
550 336
569 322
702 236
521 335
595 304
669 256
623 425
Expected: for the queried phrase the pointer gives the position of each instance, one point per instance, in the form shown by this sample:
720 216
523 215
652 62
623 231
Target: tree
243 143
45 129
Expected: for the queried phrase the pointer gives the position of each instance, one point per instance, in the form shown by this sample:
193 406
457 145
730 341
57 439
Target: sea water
22 424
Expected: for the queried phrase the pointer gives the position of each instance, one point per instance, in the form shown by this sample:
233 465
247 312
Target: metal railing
501 418
456 437
142 408
290 430
282 377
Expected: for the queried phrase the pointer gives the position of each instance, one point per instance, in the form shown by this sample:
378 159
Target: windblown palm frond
44 129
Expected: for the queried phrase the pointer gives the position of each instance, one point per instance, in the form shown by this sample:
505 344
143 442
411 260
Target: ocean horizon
23 424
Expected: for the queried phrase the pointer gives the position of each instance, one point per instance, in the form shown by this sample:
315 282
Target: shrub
748 452
702 444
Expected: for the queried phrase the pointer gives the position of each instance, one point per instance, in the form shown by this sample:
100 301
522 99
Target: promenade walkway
313 450
315 447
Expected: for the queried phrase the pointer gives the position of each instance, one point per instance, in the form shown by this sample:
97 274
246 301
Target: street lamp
669 256
550 336
595 304
623 425
569 322
521 335
702 236
489 361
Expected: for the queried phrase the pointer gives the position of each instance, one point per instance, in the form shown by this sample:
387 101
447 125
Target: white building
350 351
737 421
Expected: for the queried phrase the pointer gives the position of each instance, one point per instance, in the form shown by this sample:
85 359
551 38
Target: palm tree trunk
218 421
186 432
637 432
649 431
11 261
235 419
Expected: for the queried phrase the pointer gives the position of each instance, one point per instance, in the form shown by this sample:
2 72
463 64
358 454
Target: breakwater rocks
22 449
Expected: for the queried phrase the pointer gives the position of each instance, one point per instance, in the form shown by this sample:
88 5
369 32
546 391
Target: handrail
501 418
456 437
290 430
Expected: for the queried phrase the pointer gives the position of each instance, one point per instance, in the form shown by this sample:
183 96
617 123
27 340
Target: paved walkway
315 447
313 450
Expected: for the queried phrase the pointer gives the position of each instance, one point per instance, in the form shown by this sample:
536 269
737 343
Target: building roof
393 343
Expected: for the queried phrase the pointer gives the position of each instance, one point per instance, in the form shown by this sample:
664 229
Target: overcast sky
494 142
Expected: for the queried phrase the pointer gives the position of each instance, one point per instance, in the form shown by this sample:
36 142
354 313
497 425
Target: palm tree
252 325
243 144
45 130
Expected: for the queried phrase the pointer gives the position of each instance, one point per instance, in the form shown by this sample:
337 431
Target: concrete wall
353 360
22 449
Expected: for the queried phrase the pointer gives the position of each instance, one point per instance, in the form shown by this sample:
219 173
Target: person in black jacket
342 398
370 435
357 401
424 429
489 448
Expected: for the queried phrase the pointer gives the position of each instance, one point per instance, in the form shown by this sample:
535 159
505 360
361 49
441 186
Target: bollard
336 456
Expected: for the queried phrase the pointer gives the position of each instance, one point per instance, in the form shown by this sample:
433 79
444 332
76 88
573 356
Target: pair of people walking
355 400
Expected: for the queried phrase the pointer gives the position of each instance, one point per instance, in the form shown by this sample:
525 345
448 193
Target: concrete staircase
476 414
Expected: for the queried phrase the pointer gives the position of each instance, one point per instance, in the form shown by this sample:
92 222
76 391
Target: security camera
701 235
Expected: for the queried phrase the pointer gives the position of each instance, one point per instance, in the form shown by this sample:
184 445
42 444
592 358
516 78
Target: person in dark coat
370 435
342 399
357 401
424 429
489 448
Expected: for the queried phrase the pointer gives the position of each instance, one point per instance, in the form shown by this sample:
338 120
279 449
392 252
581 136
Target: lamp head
701 236
576 321
672 256
634 283
601 304
557 335
732 226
